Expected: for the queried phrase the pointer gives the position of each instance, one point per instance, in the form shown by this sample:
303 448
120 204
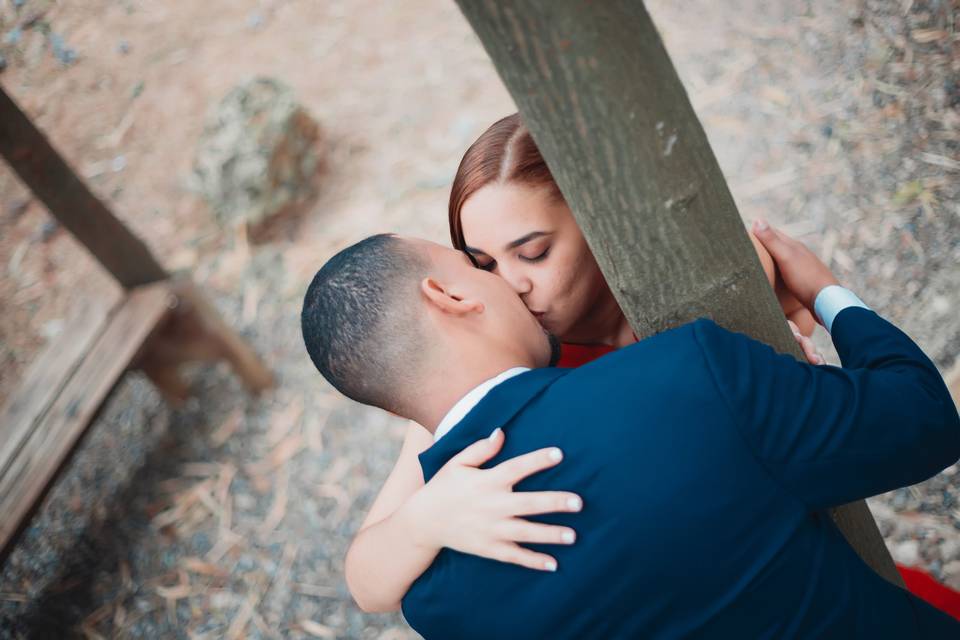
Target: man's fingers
480 451
520 530
516 469
514 554
531 503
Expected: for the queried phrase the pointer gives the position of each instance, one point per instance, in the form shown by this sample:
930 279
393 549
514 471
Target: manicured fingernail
495 432
574 504
550 565
760 224
556 455
568 537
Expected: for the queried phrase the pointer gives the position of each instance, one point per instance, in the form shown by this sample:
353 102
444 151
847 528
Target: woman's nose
517 280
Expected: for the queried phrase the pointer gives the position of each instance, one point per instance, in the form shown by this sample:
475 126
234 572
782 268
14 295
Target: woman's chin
544 322
549 325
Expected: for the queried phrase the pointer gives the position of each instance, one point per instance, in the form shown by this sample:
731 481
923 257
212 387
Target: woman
507 213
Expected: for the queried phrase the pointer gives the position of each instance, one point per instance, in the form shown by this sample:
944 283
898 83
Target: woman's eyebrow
511 245
525 239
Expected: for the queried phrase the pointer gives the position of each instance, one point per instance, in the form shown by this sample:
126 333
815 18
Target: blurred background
838 120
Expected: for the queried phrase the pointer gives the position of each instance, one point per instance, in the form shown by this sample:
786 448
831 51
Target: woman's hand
806 345
804 274
476 511
803 321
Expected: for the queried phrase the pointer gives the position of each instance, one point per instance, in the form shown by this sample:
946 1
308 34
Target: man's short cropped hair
360 319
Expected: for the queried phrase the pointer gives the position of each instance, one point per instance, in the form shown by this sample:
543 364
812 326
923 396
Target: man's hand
803 273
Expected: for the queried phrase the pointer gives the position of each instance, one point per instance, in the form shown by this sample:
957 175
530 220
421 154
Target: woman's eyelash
490 266
537 258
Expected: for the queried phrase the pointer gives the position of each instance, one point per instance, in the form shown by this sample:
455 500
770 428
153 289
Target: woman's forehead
499 214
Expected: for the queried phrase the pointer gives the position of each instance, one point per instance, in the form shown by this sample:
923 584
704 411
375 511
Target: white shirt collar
466 404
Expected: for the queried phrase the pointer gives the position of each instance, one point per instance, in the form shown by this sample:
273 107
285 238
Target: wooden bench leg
195 332
168 381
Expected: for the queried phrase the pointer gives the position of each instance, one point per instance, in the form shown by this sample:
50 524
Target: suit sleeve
833 435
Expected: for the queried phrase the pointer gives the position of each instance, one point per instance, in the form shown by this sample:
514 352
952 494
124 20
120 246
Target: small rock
47 229
17 207
52 328
951 88
255 20
257 155
941 304
123 47
13 36
951 574
246 563
950 551
224 599
244 501
906 552
66 55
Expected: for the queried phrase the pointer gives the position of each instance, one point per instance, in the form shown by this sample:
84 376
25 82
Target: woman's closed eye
490 265
537 257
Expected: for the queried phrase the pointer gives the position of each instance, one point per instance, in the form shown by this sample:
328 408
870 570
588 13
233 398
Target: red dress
918 582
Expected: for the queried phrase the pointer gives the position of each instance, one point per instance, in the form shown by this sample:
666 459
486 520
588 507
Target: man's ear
444 298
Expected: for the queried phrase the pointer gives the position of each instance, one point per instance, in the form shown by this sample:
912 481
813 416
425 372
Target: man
727 453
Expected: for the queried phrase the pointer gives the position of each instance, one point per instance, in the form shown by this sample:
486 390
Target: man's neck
444 387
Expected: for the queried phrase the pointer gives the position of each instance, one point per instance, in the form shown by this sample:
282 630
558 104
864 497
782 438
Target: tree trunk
608 112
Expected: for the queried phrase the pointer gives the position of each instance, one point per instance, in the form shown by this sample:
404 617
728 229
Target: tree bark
596 87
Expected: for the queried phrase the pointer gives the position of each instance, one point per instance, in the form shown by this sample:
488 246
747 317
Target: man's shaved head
361 322
410 326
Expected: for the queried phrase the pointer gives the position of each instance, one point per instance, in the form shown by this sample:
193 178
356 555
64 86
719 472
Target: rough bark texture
600 95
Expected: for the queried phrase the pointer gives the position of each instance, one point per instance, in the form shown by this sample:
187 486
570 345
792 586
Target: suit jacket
705 461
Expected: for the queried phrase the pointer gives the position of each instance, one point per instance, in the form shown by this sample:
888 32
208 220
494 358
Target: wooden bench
159 324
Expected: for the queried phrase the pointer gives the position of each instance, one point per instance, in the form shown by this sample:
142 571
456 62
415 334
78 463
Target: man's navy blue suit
705 461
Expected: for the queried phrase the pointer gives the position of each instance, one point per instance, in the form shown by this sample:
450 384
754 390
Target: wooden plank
245 362
55 184
55 434
602 99
195 332
45 378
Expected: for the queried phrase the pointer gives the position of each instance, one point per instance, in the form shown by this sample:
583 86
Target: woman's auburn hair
504 153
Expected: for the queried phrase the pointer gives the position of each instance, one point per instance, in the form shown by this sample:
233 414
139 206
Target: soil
230 517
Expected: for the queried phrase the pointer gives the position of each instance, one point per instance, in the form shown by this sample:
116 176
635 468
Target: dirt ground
230 517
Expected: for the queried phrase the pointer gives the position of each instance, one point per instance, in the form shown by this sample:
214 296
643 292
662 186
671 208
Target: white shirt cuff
832 300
